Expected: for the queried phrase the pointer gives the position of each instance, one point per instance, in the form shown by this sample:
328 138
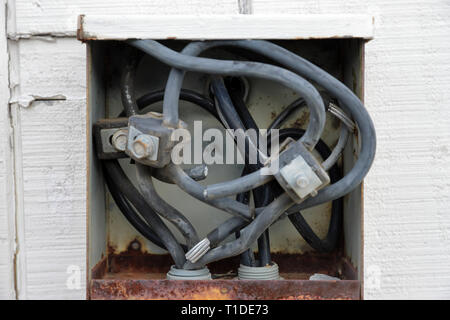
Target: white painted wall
7 230
42 201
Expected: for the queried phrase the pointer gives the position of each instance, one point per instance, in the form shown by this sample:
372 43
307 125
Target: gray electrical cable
336 153
113 169
197 173
350 103
145 183
143 175
187 61
212 66
215 237
196 190
347 127
248 235
127 84
238 185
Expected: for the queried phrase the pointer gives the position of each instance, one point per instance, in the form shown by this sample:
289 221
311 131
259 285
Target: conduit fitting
182 274
269 272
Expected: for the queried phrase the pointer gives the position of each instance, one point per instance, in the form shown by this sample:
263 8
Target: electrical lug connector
110 137
149 139
300 174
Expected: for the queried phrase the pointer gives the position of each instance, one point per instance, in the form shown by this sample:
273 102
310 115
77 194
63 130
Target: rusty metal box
122 264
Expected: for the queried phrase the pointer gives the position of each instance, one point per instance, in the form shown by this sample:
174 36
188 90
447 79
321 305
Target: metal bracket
301 174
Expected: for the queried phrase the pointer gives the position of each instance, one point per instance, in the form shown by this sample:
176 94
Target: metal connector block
300 177
149 139
143 146
109 139
300 174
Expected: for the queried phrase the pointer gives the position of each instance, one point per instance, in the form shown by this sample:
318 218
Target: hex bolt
143 146
302 181
119 140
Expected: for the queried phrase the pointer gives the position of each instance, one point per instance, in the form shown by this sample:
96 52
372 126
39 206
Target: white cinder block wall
42 140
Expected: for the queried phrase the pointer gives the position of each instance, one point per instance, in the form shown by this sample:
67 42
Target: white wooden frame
311 26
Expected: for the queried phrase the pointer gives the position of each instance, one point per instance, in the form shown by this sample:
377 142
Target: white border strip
203 27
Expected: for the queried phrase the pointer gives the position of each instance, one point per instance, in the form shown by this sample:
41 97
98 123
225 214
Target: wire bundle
144 207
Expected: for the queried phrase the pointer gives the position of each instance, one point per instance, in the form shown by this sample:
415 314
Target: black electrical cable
122 202
131 215
350 102
269 213
185 95
124 185
297 219
236 119
261 195
329 243
247 258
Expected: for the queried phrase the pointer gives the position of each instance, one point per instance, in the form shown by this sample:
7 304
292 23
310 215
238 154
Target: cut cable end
198 251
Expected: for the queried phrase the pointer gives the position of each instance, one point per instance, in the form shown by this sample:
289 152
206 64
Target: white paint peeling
27 100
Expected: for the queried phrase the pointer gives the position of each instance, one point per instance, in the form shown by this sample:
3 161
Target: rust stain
301 120
137 275
213 293
80 32
224 289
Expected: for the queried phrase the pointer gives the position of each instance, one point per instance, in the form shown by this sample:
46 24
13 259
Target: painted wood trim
288 26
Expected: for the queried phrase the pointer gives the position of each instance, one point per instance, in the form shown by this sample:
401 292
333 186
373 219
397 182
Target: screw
119 139
143 146
302 181
135 245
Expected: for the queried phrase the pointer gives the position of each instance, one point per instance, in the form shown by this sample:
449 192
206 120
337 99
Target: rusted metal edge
124 276
80 32
136 261
105 289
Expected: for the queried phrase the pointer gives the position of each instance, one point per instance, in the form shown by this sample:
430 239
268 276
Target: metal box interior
123 264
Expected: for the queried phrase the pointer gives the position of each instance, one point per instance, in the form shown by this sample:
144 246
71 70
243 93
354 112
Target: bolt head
142 146
119 140
302 181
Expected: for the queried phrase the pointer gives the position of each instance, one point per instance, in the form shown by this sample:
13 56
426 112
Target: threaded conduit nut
182 274
270 272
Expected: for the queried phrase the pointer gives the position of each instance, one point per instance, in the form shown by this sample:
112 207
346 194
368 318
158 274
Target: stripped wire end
198 251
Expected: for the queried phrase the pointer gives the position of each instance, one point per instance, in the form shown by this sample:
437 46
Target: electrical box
123 264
